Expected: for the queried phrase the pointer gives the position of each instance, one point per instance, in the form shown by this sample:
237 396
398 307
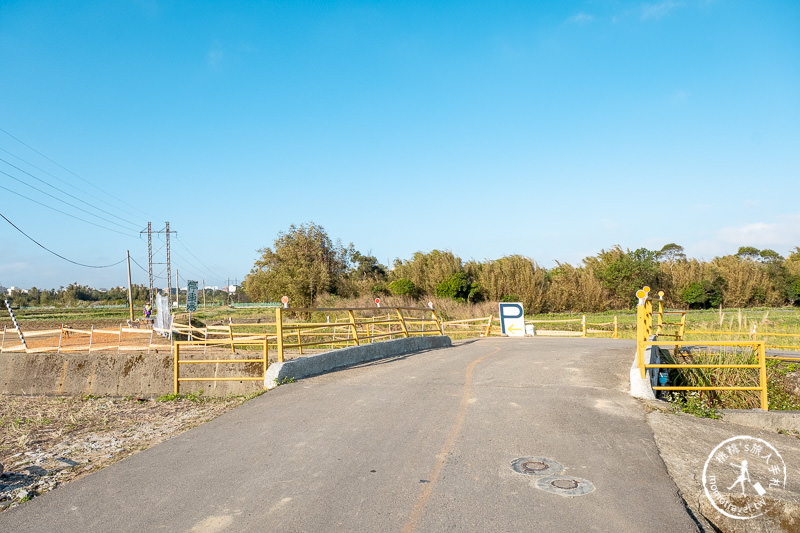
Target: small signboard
191 296
512 319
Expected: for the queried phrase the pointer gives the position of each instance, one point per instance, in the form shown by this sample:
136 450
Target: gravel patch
48 441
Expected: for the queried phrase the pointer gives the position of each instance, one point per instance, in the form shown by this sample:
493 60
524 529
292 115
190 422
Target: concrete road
423 442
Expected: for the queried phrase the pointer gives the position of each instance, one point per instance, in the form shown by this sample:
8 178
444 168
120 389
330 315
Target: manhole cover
565 486
533 467
536 466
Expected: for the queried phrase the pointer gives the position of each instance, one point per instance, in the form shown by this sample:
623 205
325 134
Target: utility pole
150 256
130 294
169 274
177 292
204 294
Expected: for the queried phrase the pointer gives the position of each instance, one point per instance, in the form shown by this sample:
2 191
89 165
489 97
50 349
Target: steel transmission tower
166 231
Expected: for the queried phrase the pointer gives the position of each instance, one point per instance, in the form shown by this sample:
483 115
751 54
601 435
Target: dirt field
48 441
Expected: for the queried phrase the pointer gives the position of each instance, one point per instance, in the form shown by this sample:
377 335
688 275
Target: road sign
512 319
378 302
191 296
285 301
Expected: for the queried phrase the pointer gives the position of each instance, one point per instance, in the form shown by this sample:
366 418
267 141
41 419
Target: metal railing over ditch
647 336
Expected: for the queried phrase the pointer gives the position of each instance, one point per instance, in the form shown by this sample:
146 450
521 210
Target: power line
185 247
71 172
63 212
208 274
69 194
85 192
56 254
61 200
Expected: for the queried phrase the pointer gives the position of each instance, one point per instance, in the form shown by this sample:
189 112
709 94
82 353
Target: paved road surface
423 442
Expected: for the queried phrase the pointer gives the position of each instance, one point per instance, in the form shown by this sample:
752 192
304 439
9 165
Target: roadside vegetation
307 266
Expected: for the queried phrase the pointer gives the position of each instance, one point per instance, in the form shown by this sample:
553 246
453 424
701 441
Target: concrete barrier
128 374
151 375
325 362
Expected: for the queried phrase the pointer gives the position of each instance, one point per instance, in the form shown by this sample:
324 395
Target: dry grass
47 441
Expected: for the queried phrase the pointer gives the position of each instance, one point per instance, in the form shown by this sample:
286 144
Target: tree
748 252
671 252
457 287
428 270
303 265
403 287
623 273
770 256
512 275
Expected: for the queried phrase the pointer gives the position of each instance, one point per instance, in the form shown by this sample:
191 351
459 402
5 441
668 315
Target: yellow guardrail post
641 329
682 328
175 352
489 326
299 341
438 322
616 328
762 375
266 358
583 325
230 331
353 326
279 331
660 327
402 322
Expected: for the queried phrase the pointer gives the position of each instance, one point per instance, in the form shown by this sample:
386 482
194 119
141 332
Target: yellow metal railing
471 327
647 336
760 366
754 334
355 329
349 327
178 361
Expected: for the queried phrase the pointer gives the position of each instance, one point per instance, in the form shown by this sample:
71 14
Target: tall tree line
305 264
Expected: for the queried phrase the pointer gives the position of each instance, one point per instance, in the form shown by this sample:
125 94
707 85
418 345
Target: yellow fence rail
179 360
647 335
758 347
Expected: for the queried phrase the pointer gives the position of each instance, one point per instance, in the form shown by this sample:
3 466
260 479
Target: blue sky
548 129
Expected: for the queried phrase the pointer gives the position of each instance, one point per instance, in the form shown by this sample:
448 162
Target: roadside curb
312 365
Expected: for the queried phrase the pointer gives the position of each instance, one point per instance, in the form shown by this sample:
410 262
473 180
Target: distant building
12 290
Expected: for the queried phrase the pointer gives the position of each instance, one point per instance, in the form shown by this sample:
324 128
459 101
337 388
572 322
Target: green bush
403 287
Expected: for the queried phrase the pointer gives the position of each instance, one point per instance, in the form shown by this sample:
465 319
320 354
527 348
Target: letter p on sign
512 319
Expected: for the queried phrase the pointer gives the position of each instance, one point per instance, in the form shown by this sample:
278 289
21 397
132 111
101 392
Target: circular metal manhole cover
565 485
536 466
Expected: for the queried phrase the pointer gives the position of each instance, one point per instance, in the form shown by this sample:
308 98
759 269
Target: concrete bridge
531 434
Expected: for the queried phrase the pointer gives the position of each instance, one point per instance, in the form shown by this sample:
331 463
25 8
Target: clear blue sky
548 129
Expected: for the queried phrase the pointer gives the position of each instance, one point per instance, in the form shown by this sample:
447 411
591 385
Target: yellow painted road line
455 429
